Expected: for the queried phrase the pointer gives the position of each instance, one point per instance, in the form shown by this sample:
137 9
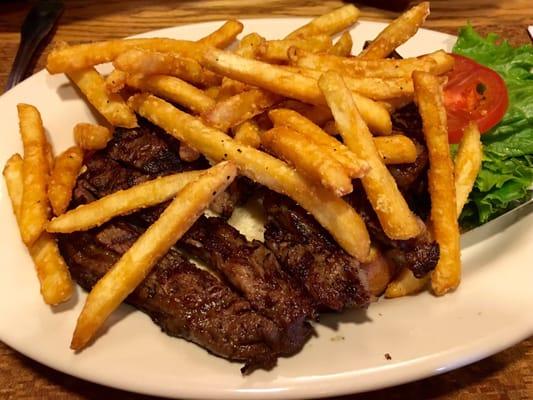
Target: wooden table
508 375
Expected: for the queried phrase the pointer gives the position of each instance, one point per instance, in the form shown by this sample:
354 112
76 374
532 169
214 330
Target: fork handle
37 25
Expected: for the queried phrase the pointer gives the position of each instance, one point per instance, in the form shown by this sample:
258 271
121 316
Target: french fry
144 62
34 209
54 278
249 45
343 46
213 92
438 63
317 114
447 273
173 89
393 149
49 156
110 291
91 137
334 214
248 133
110 105
396 149
67 58
396 218
146 194
223 36
63 178
276 50
397 103
353 165
248 48
278 80
115 81
239 108
379 272
467 164
308 159
373 88
406 284
13 175
397 32
331 23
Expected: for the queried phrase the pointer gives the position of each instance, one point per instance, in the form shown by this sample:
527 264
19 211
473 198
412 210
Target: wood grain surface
508 375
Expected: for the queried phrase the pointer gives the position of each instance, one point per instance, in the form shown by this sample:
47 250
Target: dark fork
37 25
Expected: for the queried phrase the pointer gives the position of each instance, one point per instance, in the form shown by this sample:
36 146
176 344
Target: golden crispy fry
223 36
91 137
63 178
334 214
52 271
467 164
397 32
317 114
353 165
248 133
239 108
66 58
428 92
138 61
249 45
34 211
373 88
308 159
248 48
49 156
110 105
438 63
343 46
405 284
213 91
139 260
54 278
395 104
187 153
286 83
115 81
173 89
379 272
13 175
276 50
396 149
397 220
140 196
331 23
393 149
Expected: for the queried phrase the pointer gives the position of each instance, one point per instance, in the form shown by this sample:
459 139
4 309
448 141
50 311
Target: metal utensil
37 25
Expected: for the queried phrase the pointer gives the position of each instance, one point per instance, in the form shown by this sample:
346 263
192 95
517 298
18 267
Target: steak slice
419 254
182 299
254 271
331 276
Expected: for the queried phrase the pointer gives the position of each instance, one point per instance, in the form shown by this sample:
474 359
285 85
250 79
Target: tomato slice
473 93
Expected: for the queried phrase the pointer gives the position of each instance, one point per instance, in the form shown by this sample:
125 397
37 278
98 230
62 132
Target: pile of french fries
271 110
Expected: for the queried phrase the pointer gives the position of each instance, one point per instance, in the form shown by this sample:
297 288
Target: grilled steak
254 271
419 254
332 277
140 154
183 300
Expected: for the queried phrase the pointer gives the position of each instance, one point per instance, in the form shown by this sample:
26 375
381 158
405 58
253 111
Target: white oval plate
424 335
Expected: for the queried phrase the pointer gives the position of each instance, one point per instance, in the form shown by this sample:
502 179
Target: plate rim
341 384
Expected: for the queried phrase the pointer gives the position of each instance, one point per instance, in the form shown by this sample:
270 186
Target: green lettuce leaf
507 170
